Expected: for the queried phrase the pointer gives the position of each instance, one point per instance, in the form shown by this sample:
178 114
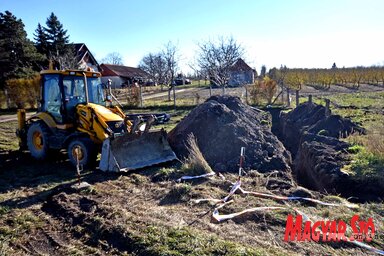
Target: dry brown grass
373 142
195 163
130 213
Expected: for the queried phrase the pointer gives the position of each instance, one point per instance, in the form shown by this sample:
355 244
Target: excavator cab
73 114
61 93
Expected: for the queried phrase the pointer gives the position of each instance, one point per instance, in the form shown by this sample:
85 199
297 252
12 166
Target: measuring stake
242 158
79 167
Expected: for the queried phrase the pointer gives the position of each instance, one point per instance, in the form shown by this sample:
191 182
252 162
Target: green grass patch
4 210
360 99
354 149
186 241
165 174
368 164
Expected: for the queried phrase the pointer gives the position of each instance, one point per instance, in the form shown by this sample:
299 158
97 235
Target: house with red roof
122 76
241 73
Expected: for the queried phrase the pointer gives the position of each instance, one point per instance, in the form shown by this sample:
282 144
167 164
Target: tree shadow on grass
33 181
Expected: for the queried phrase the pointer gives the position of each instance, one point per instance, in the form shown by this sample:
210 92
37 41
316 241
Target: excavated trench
302 145
312 135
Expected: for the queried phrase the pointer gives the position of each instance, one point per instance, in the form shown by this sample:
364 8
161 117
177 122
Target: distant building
241 73
122 76
85 57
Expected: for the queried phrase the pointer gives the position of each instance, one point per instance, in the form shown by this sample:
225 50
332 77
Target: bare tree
216 58
170 55
200 74
113 58
162 67
154 64
66 60
279 75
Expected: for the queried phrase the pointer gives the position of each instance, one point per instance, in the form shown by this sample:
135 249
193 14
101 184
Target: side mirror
108 98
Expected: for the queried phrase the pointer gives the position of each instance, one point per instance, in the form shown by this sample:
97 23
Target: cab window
95 90
52 97
74 93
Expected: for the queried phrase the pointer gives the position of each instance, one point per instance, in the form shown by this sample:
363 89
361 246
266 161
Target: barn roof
122 71
82 51
240 65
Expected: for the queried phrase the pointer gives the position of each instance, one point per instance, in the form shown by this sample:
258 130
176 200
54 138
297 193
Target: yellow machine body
74 115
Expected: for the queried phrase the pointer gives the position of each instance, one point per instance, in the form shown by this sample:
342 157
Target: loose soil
222 125
312 134
148 213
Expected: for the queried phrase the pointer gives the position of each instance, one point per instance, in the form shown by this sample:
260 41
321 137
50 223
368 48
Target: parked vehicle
181 81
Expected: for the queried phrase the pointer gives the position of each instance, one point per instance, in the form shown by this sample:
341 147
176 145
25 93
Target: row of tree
324 78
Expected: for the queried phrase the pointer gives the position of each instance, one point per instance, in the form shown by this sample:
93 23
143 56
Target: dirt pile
312 118
312 136
222 125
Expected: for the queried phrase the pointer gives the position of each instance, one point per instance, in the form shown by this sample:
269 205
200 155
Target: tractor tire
86 153
38 140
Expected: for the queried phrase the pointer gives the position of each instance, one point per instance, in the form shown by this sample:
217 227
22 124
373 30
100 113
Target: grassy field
149 213
367 110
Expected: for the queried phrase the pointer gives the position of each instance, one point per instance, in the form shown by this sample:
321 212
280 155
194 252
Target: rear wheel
82 151
37 140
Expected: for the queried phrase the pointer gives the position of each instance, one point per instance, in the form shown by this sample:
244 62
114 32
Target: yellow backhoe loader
76 113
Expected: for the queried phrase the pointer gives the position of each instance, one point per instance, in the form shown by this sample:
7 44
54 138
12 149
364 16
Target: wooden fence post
288 98
310 98
297 98
174 96
246 95
7 99
327 108
210 89
141 95
282 93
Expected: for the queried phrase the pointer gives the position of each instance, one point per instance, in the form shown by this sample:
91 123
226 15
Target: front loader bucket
133 151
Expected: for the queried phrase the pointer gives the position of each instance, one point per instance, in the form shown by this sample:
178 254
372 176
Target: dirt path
10 118
336 89
165 94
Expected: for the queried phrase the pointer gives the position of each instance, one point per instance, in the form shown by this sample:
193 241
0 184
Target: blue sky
295 33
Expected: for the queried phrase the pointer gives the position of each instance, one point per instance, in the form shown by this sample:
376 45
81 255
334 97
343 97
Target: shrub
264 89
24 90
